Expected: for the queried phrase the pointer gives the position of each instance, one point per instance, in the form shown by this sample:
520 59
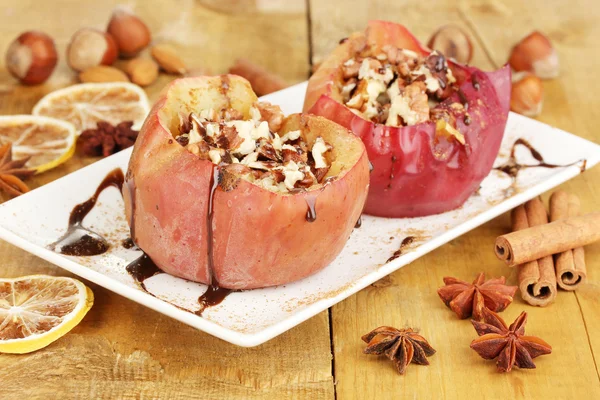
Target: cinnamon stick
540 241
570 264
537 279
262 81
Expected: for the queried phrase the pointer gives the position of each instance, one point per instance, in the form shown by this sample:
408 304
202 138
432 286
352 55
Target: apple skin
259 238
417 172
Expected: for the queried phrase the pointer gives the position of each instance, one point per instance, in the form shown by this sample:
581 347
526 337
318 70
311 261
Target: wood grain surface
123 350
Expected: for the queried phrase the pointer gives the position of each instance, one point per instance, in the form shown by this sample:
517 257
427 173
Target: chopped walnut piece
231 114
410 104
306 182
267 151
232 137
272 114
350 69
320 173
290 153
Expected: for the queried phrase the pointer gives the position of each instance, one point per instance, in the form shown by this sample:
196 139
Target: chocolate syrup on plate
405 242
512 167
129 244
142 268
79 240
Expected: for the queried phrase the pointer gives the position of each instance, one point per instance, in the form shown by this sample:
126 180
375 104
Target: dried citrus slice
48 141
85 104
36 310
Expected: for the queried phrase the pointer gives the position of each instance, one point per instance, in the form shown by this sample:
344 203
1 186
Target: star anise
402 346
509 344
106 139
12 172
467 299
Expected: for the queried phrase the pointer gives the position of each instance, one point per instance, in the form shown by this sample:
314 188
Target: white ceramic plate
249 318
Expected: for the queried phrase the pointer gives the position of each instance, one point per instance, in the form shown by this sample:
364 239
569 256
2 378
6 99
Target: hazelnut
535 54
527 94
31 57
452 42
91 47
130 33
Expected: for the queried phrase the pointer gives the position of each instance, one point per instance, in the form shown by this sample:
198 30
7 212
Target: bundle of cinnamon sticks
548 250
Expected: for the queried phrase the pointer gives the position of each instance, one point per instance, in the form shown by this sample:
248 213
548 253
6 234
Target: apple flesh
259 238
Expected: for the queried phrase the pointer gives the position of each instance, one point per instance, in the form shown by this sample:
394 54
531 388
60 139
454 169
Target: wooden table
123 350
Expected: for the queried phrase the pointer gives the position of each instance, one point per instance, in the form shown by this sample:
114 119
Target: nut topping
397 87
282 164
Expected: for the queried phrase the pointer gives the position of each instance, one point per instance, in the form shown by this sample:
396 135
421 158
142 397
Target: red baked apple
222 189
432 127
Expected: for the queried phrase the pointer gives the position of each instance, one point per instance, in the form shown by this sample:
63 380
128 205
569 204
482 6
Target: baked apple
432 127
223 189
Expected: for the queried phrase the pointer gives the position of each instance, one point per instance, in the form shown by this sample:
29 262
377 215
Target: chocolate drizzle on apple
82 241
214 293
358 222
311 213
131 188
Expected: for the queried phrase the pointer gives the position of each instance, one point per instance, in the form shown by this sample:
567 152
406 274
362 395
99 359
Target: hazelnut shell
32 57
535 54
527 95
89 48
130 33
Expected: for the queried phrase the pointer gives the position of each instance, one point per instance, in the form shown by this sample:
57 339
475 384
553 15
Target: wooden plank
121 349
570 103
408 297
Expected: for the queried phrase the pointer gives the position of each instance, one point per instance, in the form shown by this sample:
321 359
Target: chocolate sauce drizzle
214 293
311 212
358 222
129 244
131 189
407 241
475 82
512 167
463 99
79 240
142 268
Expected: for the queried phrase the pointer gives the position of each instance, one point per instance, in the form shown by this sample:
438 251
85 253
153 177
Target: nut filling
254 150
397 87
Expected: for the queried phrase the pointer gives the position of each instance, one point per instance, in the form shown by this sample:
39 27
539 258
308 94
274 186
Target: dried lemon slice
85 104
36 310
48 141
